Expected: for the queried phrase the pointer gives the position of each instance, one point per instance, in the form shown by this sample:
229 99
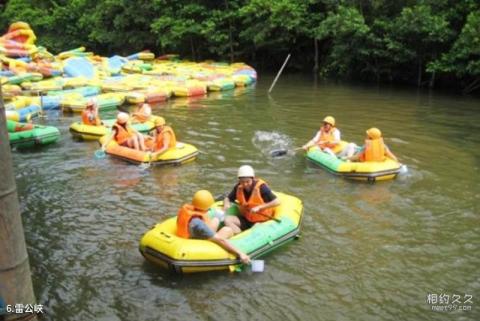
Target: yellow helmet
202 200
122 117
330 120
374 133
159 121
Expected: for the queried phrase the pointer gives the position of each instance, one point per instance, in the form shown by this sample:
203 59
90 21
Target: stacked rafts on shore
68 80
24 135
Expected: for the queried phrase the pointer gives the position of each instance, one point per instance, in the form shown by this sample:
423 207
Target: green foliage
464 57
371 39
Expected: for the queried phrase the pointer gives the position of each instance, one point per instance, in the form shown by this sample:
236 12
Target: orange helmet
202 200
374 133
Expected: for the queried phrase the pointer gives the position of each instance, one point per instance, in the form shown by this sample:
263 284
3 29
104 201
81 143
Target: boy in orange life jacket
90 114
255 201
374 149
193 222
164 137
125 135
326 138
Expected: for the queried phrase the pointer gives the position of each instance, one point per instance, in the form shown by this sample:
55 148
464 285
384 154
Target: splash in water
268 141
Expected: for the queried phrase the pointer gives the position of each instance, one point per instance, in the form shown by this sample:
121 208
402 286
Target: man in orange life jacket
164 137
90 114
374 149
125 135
327 138
194 222
255 201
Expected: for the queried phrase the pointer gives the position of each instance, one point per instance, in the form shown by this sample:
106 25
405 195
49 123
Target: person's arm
390 154
230 248
109 138
273 203
336 136
312 142
230 198
270 199
166 142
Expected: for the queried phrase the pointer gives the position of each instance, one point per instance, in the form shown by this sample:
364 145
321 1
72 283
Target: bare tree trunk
431 84
419 79
230 33
471 87
315 57
192 46
15 278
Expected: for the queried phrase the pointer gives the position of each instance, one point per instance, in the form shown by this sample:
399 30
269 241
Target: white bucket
258 265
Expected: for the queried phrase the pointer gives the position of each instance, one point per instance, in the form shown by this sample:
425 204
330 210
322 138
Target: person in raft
163 137
327 137
193 222
142 114
255 200
125 135
90 114
374 149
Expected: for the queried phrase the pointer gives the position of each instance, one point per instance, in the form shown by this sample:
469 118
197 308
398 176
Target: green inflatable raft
25 135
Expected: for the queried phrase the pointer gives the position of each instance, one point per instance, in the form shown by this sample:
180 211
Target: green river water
382 251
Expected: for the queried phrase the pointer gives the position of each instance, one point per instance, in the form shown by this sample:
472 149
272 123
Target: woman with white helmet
255 199
125 135
327 137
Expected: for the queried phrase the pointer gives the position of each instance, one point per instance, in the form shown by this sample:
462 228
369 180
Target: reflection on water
367 251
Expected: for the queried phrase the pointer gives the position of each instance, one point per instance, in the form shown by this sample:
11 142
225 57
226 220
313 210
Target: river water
384 251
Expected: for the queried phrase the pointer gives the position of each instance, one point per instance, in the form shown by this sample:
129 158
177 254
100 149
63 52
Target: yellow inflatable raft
181 154
82 131
161 246
364 171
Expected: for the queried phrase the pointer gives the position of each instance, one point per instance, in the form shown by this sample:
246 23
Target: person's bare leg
233 222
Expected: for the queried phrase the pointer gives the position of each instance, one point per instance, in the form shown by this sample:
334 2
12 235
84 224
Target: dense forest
427 43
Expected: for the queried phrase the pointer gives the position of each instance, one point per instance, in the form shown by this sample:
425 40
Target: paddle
403 169
220 197
99 154
147 165
281 152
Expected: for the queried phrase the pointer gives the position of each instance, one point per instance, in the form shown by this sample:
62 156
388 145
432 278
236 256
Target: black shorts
244 223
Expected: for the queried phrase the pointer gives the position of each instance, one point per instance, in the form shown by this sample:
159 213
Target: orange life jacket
374 150
21 127
87 120
327 137
254 200
123 133
167 130
186 213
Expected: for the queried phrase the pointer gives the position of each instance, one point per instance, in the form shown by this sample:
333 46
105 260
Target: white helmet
245 171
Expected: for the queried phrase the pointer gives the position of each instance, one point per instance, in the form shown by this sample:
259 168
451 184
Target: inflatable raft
181 154
24 135
364 171
82 131
161 246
